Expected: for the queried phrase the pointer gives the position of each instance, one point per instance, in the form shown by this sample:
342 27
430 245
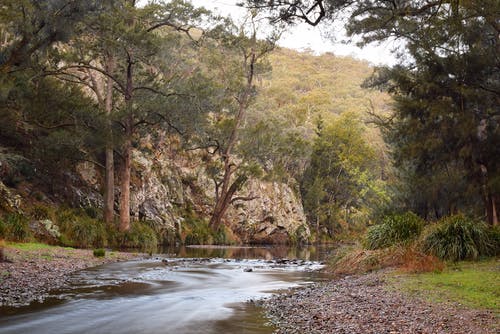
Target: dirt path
33 273
365 305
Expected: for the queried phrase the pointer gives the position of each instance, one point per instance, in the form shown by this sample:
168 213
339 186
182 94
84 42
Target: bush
141 237
197 233
99 252
41 212
15 227
395 228
458 238
494 236
3 229
81 231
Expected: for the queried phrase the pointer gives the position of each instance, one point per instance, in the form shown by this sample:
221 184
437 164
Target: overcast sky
303 36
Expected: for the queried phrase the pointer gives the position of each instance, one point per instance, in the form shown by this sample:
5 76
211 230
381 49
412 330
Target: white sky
303 36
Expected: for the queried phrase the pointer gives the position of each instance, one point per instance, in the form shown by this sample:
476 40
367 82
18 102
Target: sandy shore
31 274
364 304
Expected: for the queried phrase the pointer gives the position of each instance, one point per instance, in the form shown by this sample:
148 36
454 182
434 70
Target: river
183 291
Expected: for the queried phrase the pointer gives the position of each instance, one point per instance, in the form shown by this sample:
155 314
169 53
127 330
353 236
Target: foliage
494 236
15 227
394 229
99 252
458 238
339 182
197 232
444 131
14 168
140 236
80 230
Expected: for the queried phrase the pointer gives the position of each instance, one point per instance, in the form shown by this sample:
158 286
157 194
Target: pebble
364 305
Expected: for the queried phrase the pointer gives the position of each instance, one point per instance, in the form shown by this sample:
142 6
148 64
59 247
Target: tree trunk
223 204
125 186
127 151
491 209
494 214
109 192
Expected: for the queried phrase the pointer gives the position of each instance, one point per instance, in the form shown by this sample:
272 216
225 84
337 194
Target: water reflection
308 253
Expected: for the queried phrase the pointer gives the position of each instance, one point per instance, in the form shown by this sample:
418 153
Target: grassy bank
30 251
472 284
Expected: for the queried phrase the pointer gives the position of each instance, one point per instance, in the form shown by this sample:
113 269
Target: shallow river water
184 291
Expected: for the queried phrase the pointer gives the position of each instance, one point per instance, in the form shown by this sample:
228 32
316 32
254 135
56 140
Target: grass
32 246
472 284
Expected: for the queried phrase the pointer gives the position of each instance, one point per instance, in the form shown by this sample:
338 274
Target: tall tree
28 27
241 57
340 181
448 90
134 60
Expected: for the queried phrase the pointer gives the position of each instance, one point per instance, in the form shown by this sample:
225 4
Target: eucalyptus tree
236 57
30 27
446 88
138 64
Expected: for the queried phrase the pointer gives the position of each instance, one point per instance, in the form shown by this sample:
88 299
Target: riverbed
185 290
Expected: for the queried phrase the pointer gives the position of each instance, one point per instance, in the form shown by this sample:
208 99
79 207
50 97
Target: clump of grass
415 261
140 236
15 227
457 238
197 232
494 236
99 252
394 229
80 230
42 212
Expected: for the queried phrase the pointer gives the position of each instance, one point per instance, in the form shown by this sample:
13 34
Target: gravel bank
364 305
33 273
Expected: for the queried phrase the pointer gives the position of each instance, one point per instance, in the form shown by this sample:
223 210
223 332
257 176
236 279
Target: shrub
99 252
41 212
458 238
395 228
16 228
81 231
141 236
165 234
3 229
494 236
197 233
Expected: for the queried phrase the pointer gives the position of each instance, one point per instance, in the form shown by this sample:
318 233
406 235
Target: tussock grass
394 229
457 238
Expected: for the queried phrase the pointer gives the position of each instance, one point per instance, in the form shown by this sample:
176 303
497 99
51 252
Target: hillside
172 190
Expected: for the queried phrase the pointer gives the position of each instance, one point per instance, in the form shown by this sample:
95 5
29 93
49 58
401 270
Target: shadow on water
186 290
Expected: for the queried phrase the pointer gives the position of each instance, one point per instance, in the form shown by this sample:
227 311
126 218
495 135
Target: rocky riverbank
365 305
32 272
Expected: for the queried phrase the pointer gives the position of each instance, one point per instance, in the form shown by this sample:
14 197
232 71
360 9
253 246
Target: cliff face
167 181
275 216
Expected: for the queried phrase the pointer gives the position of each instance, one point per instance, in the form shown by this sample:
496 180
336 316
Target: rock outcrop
166 181
274 216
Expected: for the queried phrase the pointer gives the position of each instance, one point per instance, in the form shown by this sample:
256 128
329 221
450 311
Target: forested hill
304 104
308 84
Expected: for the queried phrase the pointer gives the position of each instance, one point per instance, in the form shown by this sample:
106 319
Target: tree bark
223 204
227 190
127 151
125 184
109 191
